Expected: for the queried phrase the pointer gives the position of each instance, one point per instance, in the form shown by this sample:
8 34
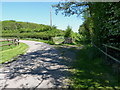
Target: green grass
90 71
6 47
8 54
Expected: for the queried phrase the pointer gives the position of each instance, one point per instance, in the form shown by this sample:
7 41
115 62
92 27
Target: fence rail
112 56
106 51
14 41
111 47
112 52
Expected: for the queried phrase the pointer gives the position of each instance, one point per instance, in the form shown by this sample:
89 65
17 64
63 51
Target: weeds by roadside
90 71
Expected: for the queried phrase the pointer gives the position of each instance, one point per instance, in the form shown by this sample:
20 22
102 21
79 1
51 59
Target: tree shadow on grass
90 71
87 71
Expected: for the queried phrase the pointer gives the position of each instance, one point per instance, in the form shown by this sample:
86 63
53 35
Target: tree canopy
101 19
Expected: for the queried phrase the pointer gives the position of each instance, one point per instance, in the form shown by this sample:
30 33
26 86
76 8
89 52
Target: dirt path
41 67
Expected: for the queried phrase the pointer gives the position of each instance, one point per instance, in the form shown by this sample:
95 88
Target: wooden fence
10 42
112 52
112 56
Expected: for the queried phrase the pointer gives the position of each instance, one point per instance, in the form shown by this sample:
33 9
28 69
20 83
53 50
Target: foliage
76 37
7 55
101 25
29 30
58 40
101 22
24 26
68 32
106 23
2 48
87 72
86 30
69 8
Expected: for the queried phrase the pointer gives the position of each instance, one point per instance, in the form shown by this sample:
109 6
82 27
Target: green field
8 54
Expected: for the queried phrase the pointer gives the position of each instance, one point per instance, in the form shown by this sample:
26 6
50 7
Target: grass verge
7 46
7 55
90 71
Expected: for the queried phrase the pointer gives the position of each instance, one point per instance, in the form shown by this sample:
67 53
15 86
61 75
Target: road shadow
48 63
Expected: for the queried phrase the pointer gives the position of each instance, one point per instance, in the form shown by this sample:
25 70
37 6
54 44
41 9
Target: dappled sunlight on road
41 67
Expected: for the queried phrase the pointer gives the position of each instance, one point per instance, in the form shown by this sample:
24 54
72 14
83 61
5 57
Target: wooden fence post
18 42
106 52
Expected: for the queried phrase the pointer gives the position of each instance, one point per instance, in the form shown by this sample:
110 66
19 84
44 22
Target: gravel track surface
41 67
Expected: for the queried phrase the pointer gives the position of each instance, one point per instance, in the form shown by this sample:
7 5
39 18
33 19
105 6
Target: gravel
41 67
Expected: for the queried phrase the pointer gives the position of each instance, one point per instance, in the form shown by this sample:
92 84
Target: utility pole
51 16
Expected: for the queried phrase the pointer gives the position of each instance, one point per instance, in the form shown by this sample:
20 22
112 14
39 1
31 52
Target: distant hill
11 28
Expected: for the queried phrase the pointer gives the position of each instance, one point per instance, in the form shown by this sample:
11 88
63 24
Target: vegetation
27 30
101 26
106 23
90 71
58 40
12 28
101 20
2 48
85 30
68 32
8 54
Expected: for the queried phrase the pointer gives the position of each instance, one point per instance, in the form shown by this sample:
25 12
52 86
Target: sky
38 12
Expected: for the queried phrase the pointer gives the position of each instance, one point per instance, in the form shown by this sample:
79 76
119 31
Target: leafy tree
70 8
102 23
68 32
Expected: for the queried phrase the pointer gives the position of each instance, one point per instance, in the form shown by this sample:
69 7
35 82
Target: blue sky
38 12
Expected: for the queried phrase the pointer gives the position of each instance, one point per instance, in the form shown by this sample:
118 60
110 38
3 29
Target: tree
103 19
71 8
68 32
86 29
